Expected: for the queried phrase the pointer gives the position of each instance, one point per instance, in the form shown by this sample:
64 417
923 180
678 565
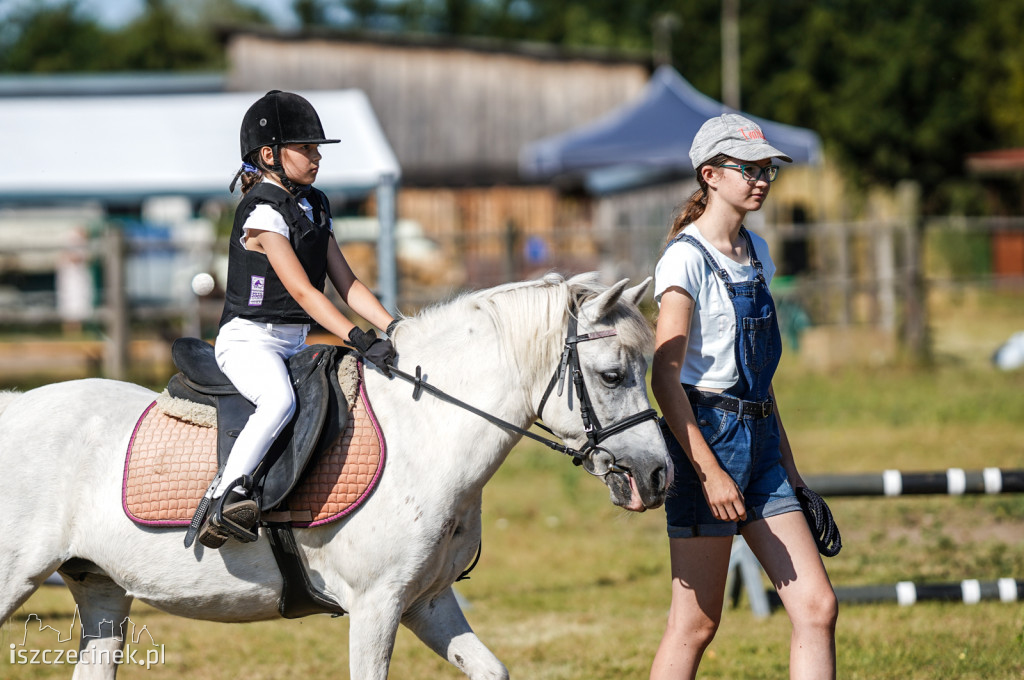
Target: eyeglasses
753 173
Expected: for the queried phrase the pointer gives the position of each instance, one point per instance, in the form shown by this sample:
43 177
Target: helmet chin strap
296 190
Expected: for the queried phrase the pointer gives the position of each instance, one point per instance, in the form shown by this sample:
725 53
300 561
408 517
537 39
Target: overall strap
713 263
754 262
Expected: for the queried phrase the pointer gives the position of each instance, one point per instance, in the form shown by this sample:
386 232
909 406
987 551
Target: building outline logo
127 632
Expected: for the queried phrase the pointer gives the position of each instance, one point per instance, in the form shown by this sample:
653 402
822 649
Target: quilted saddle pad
171 462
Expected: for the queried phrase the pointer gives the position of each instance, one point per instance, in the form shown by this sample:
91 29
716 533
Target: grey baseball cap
733 135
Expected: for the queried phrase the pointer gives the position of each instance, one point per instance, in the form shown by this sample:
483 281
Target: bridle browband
570 360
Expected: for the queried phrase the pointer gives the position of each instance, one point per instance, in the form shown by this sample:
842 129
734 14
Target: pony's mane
514 307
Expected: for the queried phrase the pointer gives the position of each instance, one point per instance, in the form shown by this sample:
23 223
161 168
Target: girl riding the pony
281 252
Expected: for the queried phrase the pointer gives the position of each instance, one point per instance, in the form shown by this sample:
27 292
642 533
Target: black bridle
589 457
594 458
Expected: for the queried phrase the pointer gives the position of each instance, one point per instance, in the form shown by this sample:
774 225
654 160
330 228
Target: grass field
571 588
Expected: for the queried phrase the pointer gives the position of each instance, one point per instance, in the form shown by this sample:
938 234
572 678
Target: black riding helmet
279 118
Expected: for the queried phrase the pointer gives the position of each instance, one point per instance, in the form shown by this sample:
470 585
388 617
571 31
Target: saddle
321 436
321 411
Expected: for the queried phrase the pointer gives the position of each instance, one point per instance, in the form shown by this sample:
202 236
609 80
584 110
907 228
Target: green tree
62 38
212 14
310 12
996 71
364 12
51 39
887 86
159 41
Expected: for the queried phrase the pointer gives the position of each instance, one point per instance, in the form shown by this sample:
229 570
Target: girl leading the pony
282 250
716 350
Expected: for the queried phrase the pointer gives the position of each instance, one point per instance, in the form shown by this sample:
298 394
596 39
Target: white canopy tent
187 144
124 148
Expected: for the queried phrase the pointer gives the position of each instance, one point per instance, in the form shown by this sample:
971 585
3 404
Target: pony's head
596 403
592 390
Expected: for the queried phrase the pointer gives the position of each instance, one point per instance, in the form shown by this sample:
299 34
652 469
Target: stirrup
233 515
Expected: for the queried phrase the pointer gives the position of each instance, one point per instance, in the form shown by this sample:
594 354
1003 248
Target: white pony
62 450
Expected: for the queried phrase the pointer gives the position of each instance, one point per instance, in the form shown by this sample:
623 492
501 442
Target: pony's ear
599 306
637 292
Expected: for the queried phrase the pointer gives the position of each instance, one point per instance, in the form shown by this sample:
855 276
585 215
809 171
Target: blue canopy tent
648 139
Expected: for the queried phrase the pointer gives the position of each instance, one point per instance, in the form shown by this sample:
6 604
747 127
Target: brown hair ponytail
697 203
249 177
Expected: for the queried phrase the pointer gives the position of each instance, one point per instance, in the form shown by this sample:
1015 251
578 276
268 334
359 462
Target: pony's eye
612 378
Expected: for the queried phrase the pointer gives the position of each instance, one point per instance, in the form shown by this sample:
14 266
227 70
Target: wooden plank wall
504 233
454 116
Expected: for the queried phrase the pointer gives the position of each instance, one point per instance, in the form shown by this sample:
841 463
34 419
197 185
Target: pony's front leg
441 625
371 637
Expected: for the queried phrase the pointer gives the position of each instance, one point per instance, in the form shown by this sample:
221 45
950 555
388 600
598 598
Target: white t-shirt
264 218
710 360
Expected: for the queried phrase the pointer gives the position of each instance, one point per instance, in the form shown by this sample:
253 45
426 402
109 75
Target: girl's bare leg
699 569
784 546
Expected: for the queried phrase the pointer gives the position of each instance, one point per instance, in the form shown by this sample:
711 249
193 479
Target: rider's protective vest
254 290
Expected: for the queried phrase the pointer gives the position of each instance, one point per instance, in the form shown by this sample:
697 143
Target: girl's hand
378 351
724 496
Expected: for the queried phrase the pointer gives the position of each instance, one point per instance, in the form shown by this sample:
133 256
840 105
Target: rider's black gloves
378 351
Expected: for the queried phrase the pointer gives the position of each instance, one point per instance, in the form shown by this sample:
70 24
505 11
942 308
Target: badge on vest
256 286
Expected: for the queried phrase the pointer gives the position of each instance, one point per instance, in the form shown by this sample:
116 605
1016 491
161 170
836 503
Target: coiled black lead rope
822 524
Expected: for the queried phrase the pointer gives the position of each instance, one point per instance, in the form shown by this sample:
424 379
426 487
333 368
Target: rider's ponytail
252 172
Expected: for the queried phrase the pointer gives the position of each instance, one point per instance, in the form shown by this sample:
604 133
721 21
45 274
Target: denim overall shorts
739 425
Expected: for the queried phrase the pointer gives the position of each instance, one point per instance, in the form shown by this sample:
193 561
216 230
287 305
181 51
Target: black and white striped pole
906 593
894 483
954 482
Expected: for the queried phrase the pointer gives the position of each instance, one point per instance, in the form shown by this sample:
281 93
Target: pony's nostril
658 478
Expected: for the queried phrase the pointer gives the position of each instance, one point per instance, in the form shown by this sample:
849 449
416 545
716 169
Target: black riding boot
233 515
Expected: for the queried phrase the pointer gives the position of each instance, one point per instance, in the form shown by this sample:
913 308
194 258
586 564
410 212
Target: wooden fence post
115 355
916 339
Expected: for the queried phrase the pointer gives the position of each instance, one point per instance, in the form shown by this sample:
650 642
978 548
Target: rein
420 386
598 466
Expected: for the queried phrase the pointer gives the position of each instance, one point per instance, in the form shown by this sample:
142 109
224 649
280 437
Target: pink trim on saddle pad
170 463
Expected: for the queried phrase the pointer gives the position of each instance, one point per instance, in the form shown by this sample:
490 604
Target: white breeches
252 355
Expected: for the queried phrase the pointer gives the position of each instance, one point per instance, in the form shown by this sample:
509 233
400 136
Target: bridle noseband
594 458
591 424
